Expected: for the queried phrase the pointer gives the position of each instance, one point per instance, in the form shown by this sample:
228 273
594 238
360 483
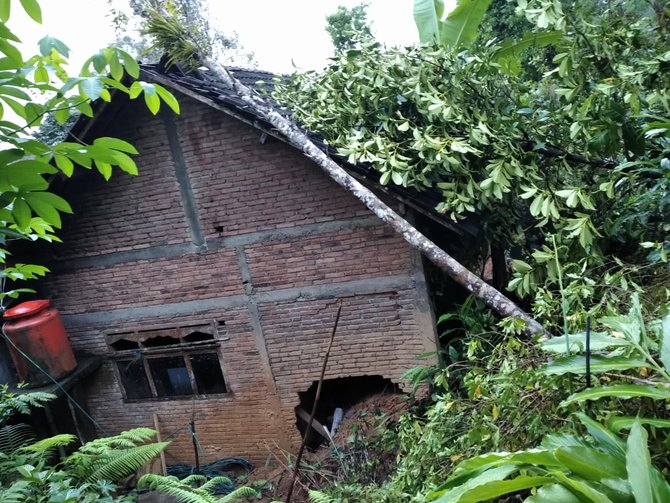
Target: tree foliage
28 210
194 14
348 27
572 162
552 124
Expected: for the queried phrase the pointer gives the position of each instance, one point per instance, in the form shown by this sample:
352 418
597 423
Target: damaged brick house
209 282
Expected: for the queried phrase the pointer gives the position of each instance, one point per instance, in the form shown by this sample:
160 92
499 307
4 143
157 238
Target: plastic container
37 330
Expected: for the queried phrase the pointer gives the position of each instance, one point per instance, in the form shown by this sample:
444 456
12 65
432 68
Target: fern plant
14 436
113 458
195 488
12 403
27 471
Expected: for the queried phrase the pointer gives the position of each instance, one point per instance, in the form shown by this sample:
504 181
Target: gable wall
218 226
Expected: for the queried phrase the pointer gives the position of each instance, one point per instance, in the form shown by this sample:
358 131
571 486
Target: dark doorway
340 393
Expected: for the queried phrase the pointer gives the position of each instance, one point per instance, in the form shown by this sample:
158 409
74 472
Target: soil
321 465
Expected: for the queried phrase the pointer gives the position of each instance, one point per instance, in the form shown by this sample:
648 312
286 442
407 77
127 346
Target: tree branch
551 151
294 136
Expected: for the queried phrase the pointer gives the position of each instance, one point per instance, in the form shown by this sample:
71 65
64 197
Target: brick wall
127 212
283 244
243 186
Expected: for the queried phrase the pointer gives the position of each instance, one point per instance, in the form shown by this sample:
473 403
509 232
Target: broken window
169 362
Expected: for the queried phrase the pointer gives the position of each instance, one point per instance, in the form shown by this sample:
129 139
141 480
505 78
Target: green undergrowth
499 393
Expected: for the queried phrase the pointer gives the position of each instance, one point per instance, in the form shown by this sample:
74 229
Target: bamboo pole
317 396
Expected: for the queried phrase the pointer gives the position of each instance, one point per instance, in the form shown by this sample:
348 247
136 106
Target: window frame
181 348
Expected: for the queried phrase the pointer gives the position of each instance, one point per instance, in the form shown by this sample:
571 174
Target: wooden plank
158 438
316 425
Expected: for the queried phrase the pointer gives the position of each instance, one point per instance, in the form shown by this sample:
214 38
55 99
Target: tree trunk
443 260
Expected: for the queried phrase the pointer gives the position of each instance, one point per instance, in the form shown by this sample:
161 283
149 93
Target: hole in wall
161 340
341 393
198 336
124 345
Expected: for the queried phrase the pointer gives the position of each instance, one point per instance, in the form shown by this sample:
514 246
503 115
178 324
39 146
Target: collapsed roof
200 86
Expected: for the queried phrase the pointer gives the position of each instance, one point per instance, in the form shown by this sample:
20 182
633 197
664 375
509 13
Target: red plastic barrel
37 330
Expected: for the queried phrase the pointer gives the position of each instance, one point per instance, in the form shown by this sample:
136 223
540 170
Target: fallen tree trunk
294 136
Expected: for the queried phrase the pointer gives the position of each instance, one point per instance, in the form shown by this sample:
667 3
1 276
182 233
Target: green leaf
512 49
521 266
51 199
168 98
494 459
454 494
427 17
496 488
21 213
115 67
605 439
61 115
460 27
599 341
123 463
85 108
41 75
618 423
664 354
153 102
131 65
32 8
576 364
64 164
100 153
638 464
104 168
10 51
588 492
625 325
5 9
99 62
556 440
91 87
45 210
125 163
591 464
135 90
32 166
618 391
554 493
16 107
48 43
659 486
115 144
15 92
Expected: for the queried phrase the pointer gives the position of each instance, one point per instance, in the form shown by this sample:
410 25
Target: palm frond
12 403
194 480
212 484
49 444
171 36
239 493
176 488
118 464
124 440
14 436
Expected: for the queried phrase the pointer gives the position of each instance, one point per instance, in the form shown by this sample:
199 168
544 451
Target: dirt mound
355 442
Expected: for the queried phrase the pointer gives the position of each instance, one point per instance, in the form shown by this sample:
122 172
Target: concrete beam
181 249
185 189
255 316
333 290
